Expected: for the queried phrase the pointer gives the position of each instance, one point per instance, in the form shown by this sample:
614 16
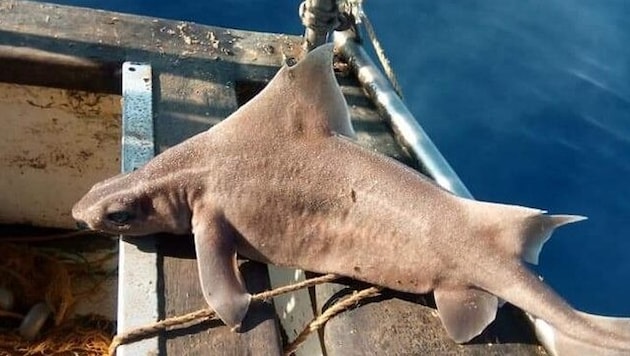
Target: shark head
127 205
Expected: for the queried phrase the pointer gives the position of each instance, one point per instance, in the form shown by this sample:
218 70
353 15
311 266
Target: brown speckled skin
290 192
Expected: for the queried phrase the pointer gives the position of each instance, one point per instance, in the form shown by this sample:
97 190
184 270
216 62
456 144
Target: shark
282 181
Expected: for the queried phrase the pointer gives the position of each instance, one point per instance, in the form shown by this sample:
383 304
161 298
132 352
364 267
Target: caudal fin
560 344
539 230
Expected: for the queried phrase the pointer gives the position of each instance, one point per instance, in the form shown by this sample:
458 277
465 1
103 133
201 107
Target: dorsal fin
539 230
519 230
314 81
301 101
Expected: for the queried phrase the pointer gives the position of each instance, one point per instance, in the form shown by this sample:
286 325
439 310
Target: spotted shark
281 181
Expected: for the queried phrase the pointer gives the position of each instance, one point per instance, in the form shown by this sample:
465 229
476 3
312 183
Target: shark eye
120 217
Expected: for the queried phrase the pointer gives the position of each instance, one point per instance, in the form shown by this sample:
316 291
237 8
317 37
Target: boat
64 73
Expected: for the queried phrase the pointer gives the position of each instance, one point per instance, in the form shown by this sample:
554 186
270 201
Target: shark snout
81 216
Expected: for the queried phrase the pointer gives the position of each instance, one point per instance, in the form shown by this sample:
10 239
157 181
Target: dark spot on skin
398 281
357 269
290 61
299 127
353 195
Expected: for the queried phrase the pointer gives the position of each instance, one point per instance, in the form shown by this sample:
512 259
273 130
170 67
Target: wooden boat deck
201 74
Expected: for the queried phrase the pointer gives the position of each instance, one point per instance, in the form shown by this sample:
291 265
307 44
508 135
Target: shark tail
558 343
539 229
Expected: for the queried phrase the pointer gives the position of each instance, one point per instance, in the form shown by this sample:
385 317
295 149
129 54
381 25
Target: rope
380 53
199 316
320 320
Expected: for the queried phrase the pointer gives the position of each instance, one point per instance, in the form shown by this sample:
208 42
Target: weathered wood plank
68 46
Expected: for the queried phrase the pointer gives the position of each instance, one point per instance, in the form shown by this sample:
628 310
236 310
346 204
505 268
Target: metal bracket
137 272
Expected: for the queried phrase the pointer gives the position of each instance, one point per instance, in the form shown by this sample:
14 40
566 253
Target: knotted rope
202 315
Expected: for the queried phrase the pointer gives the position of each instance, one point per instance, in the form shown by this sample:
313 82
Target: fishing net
83 335
34 276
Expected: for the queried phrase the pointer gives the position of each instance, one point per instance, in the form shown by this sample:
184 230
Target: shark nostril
82 225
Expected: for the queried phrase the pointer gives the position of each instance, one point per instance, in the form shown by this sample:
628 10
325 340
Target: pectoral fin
465 312
221 281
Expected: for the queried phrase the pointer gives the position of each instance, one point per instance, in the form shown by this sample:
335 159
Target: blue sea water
528 100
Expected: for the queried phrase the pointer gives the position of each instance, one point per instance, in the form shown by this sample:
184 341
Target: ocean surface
528 100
